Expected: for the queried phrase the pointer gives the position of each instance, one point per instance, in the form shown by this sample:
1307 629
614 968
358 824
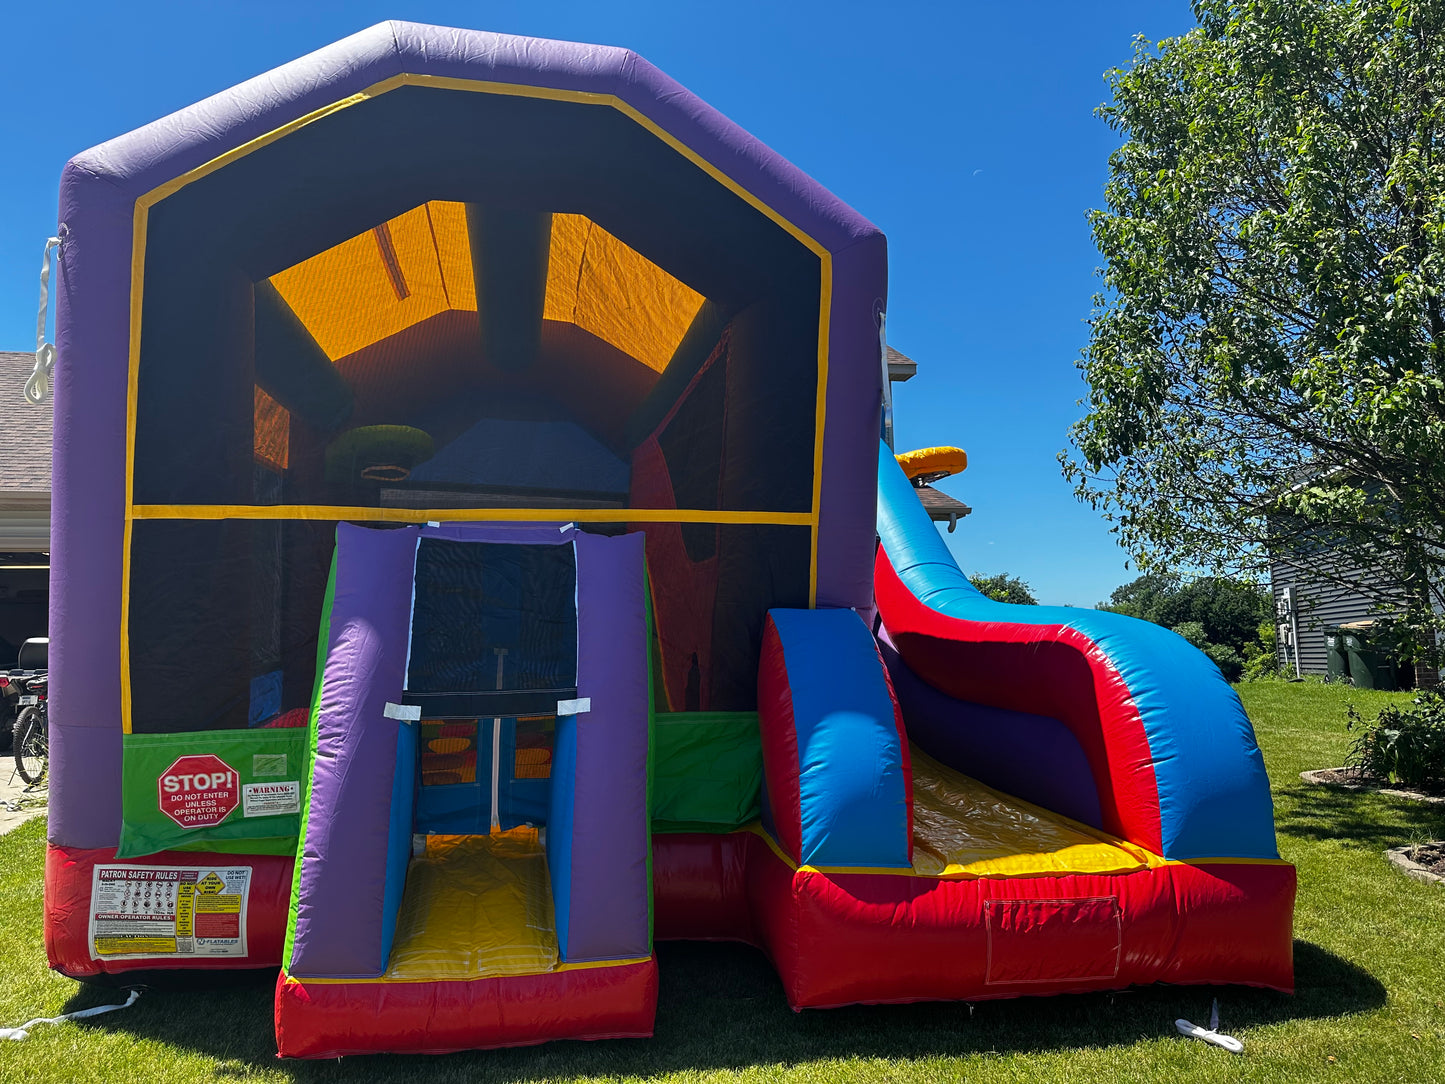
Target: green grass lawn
1369 950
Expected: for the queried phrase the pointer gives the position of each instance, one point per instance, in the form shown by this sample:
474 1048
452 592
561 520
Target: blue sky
964 130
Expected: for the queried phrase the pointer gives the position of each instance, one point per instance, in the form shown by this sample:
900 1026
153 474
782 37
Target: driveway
13 791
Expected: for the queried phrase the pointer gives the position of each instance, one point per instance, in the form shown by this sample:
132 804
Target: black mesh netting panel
224 617
708 611
433 415
493 616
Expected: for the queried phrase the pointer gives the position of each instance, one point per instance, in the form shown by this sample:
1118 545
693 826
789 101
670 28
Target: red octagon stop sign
199 791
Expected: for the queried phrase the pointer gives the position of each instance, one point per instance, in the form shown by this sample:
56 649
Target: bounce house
475 558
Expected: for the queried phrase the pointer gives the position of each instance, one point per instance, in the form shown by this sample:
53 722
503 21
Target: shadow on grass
1357 817
722 1007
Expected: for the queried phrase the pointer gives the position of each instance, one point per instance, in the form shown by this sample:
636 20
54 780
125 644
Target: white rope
23 1031
1211 1034
887 433
37 388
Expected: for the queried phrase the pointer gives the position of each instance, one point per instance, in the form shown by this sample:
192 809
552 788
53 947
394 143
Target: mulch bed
1354 779
1423 861
1431 856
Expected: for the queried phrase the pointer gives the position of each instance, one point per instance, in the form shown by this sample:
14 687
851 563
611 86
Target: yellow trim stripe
175 184
1227 862
466 515
824 316
954 874
137 278
588 965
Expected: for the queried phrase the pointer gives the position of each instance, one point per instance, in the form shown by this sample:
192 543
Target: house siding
1318 605
25 439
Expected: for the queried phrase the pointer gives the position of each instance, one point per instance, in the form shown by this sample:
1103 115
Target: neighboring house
1306 604
24 508
1316 589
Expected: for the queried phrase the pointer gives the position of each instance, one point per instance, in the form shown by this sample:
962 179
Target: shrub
1193 631
1229 661
1262 659
1261 668
1403 745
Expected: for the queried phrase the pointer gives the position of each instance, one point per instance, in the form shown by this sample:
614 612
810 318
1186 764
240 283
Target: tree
1141 597
1229 611
1004 588
1226 613
1266 362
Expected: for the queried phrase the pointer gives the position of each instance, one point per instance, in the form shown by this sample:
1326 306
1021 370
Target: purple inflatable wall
103 196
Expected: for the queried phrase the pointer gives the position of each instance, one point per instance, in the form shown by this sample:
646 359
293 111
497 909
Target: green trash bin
1370 666
1337 660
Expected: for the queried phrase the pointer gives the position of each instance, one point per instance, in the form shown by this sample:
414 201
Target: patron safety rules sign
175 911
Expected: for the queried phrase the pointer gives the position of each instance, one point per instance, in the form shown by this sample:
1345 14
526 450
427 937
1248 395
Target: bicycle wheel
32 745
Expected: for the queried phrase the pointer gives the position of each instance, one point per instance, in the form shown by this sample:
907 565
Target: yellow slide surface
962 828
476 907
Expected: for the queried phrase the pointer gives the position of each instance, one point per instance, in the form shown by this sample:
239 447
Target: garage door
24 523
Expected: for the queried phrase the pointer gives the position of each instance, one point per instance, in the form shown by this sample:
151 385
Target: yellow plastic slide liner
962 828
933 463
476 907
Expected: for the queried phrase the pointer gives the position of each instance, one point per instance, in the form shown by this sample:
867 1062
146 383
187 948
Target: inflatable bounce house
475 558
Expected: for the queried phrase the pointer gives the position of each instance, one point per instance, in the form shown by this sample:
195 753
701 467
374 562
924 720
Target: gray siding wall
1318 604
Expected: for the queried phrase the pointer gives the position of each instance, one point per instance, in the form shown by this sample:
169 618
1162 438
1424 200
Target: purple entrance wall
355 836
358 820
599 870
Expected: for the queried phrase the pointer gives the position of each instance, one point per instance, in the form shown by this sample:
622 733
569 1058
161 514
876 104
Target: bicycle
32 733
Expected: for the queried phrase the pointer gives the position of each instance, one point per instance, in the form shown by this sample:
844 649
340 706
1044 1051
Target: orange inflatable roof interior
418 265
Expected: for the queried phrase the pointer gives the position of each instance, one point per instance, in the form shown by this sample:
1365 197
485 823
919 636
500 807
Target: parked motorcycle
31 745
31 663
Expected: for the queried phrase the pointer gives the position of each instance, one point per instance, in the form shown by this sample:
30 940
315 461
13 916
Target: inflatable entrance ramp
479 682
466 493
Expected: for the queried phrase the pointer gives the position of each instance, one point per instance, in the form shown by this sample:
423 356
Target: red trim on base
68 875
835 939
332 1019
841 939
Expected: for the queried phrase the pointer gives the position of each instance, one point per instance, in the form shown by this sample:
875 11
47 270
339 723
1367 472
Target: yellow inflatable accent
418 265
449 745
962 828
476 907
933 463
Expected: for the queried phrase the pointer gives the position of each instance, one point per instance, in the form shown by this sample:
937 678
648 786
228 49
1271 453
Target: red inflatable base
835 939
840 939
330 1019
69 882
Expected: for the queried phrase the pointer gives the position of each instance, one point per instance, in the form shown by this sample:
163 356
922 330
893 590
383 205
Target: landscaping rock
1354 779
1423 861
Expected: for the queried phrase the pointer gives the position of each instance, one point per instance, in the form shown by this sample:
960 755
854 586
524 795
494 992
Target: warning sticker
270 799
168 911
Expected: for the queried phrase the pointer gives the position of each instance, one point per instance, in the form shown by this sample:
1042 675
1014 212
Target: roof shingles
25 431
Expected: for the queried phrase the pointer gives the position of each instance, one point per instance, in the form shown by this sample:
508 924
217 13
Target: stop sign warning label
199 791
